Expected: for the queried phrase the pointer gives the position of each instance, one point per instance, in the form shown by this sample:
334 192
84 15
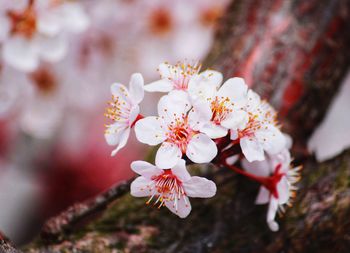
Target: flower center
119 107
180 133
252 126
168 188
44 80
183 73
23 23
161 21
220 109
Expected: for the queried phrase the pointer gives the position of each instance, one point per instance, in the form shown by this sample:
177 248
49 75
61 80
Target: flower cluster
202 120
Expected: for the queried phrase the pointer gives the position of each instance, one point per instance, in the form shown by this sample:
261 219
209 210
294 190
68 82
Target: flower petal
283 190
199 115
142 187
180 171
271 213
263 196
163 85
213 131
252 149
168 155
173 106
52 49
235 89
182 207
73 17
237 119
259 168
271 138
201 149
21 54
124 136
113 133
145 169
150 130
199 187
136 90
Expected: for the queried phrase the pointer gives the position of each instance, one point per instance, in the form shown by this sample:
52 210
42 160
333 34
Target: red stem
137 119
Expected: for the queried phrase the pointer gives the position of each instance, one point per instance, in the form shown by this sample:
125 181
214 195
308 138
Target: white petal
136 88
213 131
163 85
150 130
168 155
134 112
252 149
237 119
182 208
283 191
232 159
145 169
52 49
171 107
263 196
234 88
201 149
73 17
199 115
21 54
113 133
271 213
233 134
200 187
49 23
271 138
120 91
259 168
4 27
142 187
124 136
180 171
166 71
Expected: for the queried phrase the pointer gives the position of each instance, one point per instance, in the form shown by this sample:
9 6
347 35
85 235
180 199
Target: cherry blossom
176 128
39 31
280 187
170 187
223 106
179 77
261 132
124 111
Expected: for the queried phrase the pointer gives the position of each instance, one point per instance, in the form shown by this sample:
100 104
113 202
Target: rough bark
295 54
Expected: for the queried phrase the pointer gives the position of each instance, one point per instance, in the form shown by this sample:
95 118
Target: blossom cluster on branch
202 120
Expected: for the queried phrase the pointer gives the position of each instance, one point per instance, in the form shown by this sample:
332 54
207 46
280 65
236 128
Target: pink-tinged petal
283 190
73 17
150 130
271 138
263 196
124 136
259 168
234 88
21 54
180 171
235 120
199 187
163 85
213 131
52 49
168 155
252 149
171 107
134 112
271 214
113 133
142 187
136 90
145 169
201 149
181 207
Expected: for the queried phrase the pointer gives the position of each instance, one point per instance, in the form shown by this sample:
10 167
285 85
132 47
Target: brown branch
57 227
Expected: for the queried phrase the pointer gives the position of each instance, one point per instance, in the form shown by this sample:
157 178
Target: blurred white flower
124 111
171 187
39 31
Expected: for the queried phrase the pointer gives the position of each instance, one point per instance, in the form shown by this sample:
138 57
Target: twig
58 226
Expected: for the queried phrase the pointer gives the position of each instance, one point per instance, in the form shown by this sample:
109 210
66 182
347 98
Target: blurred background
52 148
